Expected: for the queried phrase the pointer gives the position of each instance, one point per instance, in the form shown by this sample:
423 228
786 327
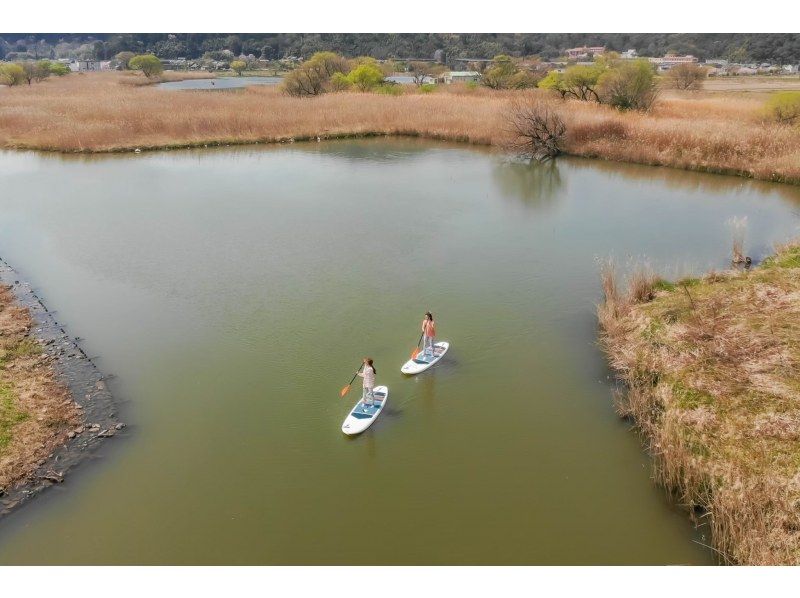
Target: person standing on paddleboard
368 373
428 334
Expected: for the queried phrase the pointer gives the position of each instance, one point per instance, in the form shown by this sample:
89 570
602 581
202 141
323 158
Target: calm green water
233 292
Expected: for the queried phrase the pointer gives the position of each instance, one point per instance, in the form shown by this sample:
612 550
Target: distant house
584 52
461 77
668 61
629 54
81 66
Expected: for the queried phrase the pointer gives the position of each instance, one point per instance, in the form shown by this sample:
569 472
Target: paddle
346 389
415 352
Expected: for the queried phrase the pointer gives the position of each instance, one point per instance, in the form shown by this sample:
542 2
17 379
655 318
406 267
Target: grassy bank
36 412
712 370
97 113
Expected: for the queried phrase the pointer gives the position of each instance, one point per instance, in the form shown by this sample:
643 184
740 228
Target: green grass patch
688 282
27 347
663 285
389 90
427 88
654 329
10 416
790 258
690 398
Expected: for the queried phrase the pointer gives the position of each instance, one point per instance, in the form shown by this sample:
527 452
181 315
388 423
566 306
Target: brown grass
95 113
36 412
711 368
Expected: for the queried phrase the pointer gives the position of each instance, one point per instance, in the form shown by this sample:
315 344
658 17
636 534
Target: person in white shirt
368 374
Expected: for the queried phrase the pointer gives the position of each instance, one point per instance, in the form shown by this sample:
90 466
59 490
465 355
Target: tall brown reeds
95 112
711 382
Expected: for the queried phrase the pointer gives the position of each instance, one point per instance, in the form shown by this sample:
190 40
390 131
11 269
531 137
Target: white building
461 77
629 54
89 65
667 62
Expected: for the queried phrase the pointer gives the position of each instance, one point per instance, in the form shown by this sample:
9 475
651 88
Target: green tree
58 69
579 82
239 66
313 77
125 59
340 82
11 74
784 107
500 73
147 63
42 69
629 86
366 77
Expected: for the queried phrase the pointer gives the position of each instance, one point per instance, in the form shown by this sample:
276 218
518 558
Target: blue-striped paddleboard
362 415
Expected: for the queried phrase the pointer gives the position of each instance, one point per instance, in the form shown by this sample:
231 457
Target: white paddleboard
423 361
362 415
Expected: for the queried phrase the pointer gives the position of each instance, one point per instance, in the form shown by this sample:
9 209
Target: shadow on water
535 185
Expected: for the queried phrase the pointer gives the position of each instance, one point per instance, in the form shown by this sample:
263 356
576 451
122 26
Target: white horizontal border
309 16
401 582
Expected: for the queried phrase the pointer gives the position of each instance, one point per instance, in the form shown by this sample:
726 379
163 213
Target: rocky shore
55 407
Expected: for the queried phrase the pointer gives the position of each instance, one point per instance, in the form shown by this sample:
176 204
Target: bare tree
538 128
687 77
420 71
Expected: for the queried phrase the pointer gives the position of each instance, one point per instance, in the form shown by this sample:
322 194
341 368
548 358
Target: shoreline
83 383
707 368
100 113
458 139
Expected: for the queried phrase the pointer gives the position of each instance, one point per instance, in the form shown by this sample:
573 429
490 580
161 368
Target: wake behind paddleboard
423 361
362 415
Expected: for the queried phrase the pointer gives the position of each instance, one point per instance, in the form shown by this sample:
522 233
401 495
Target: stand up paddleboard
362 415
423 361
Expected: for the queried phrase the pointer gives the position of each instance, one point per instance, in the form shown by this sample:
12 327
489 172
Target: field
99 112
711 369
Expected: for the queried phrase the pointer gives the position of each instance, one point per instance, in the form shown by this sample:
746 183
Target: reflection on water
536 185
219 83
683 180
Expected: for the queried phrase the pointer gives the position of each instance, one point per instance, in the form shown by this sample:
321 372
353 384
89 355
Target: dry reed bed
96 113
36 412
711 369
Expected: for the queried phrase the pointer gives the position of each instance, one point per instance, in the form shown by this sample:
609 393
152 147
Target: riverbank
54 404
137 79
710 368
99 113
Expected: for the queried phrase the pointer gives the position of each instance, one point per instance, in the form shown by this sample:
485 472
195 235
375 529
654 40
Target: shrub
11 74
784 107
366 76
58 69
687 77
427 88
147 63
315 75
389 89
629 86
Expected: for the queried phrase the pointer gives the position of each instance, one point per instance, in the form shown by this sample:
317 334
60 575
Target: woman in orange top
428 334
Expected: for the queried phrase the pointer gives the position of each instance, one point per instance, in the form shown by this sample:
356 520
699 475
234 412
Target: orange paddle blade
414 353
344 391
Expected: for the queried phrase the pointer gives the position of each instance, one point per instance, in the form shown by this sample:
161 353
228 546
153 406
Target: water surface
234 291
220 83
